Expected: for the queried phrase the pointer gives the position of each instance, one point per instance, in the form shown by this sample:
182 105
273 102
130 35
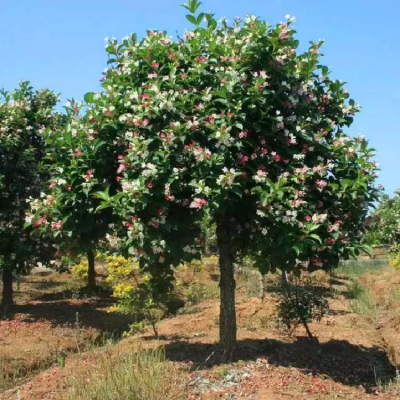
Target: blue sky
59 44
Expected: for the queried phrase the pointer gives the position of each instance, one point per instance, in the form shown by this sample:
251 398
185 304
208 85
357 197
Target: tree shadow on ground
77 293
87 313
337 359
82 307
337 312
337 282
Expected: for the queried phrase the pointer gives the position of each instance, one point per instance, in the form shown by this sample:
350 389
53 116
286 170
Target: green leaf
315 237
346 183
312 228
222 101
212 24
221 93
89 97
118 196
191 19
299 248
200 18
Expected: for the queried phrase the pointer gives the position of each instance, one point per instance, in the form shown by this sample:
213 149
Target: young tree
25 115
232 120
83 161
384 222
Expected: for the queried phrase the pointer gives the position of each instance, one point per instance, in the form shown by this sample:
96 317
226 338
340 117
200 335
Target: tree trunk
91 271
227 319
310 335
7 296
284 276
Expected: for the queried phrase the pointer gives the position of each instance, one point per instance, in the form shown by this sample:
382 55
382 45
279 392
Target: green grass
139 374
355 268
361 300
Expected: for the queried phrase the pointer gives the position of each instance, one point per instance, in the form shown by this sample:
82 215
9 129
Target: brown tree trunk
227 318
91 271
8 295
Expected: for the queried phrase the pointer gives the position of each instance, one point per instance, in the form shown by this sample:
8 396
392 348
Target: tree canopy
25 116
232 120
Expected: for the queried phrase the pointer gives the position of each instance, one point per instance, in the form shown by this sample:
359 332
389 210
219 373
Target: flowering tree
25 115
83 161
232 120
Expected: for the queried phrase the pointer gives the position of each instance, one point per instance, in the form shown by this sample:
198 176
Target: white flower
290 18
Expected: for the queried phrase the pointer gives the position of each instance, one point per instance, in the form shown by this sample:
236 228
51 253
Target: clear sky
59 44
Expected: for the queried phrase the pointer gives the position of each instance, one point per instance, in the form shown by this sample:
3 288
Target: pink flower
284 34
89 174
198 203
321 183
149 185
68 187
277 157
57 225
243 159
121 168
308 218
330 242
78 153
261 172
40 221
53 184
155 65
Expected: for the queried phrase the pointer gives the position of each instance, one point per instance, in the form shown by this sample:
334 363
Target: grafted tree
232 120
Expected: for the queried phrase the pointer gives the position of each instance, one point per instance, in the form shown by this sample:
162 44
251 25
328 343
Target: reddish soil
352 350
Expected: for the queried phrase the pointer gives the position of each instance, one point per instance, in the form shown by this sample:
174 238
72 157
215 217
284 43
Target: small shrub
221 371
211 260
301 302
395 260
252 280
134 294
136 375
256 323
100 256
120 269
80 271
198 292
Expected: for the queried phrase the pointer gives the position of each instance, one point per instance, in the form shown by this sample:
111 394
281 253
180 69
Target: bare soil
354 351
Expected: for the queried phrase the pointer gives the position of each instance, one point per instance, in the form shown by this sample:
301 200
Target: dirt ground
354 354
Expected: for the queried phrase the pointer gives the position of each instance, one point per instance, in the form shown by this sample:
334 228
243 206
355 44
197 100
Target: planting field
58 343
